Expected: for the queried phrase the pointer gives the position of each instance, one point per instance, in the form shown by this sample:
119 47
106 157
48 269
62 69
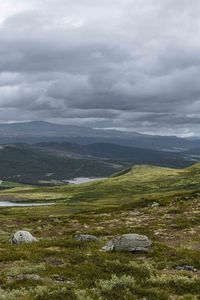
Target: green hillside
127 186
162 203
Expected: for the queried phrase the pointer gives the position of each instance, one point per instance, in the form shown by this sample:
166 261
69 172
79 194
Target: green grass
69 269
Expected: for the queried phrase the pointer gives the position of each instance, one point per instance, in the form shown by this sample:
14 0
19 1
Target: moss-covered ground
163 204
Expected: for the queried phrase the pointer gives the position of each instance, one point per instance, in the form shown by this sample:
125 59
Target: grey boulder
22 236
129 243
85 237
186 268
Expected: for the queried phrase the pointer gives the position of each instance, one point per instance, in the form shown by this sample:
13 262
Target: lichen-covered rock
22 236
85 237
186 268
129 243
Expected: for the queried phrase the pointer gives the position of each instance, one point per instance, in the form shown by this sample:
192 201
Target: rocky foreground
130 246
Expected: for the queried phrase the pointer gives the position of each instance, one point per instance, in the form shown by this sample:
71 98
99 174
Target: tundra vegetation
160 203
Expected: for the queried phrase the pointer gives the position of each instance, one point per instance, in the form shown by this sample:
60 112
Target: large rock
129 243
85 237
22 236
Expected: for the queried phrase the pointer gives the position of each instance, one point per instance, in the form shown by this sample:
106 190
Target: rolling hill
135 182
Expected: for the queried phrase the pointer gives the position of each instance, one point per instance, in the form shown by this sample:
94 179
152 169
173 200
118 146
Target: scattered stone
155 204
55 261
186 268
129 243
31 277
25 277
23 236
62 279
85 237
59 278
135 213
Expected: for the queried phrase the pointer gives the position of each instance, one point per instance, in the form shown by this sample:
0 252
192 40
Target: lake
14 204
83 180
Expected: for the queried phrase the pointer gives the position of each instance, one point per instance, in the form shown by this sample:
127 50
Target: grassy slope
131 185
121 204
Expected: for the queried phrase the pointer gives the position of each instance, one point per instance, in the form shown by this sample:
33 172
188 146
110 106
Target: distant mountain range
36 132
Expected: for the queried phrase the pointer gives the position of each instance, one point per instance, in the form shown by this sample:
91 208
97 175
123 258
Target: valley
55 163
29 164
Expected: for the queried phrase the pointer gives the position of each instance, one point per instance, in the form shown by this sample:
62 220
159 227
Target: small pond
14 204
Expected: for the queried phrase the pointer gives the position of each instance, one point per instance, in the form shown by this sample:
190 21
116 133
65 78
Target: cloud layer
131 64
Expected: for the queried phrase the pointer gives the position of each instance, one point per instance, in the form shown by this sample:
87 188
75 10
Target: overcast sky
127 64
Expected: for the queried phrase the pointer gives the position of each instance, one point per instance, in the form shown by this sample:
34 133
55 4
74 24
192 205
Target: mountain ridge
40 131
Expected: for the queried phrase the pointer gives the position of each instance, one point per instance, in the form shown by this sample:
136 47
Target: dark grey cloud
127 64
